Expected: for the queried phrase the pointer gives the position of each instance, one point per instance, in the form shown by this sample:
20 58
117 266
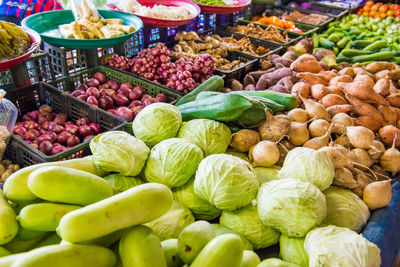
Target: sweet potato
279 88
388 114
313 79
382 87
332 100
365 78
286 82
301 88
263 83
277 74
306 63
318 91
265 64
284 61
397 110
368 122
392 88
379 66
328 74
336 80
387 135
362 90
236 85
394 74
333 110
250 87
382 74
257 74
323 65
360 71
394 100
398 124
365 109
347 71
335 90
248 79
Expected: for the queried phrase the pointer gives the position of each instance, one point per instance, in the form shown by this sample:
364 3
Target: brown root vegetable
347 71
286 82
236 85
298 115
250 87
344 178
335 90
382 74
394 99
263 83
332 100
257 74
338 128
302 89
273 129
336 80
328 75
318 142
362 178
380 172
244 139
394 74
315 110
279 88
298 134
318 127
342 141
363 91
369 122
392 88
360 137
388 114
338 157
323 65
365 109
365 78
343 118
264 154
277 74
313 78
389 135
333 110
318 91
360 156
390 160
377 150
382 87
378 66
306 63
377 194
248 79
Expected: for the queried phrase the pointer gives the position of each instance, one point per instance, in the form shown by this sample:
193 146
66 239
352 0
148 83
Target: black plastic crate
273 47
331 10
237 73
70 83
30 98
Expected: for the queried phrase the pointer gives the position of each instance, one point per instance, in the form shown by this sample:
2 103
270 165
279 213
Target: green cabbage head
121 183
171 224
345 209
340 246
221 230
275 262
226 181
118 151
246 222
157 122
291 206
201 209
291 249
310 165
242 156
212 137
172 162
266 174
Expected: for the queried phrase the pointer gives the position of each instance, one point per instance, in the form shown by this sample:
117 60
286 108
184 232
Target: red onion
100 77
58 149
19 124
112 111
114 84
44 137
106 92
104 86
135 94
93 91
52 125
146 96
45 108
149 101
81 87
94 127
125 91
106 102
82 97
43 117
84 130
26 117
52 135
77 93
136 110
60 119
87 137
92 82
30 125
42 131
135 103
20 130
46 147
126 85
82 121
34 115
63 137
71 128
162 97
120 99
73 141
125 113
31 134
92 101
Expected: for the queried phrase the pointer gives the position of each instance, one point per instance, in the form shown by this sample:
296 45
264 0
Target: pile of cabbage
296 206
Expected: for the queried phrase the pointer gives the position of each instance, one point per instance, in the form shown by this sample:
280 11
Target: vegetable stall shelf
30 98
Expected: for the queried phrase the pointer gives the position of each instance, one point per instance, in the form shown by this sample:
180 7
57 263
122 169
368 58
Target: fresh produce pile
217 2
6 169
312 18
4 135
53 133
190 45
379 10
155 64
277 22
14 41
121 99
270 33
244 44
159 188
362 39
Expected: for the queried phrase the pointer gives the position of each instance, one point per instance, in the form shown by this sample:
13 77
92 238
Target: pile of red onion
121 99
53 133
155 64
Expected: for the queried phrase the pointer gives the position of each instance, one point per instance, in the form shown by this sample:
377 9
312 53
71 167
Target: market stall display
285 160
222 6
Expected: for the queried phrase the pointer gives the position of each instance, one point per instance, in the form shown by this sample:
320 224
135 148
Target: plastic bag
8 116
84 9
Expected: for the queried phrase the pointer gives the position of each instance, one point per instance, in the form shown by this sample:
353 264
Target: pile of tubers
6 169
